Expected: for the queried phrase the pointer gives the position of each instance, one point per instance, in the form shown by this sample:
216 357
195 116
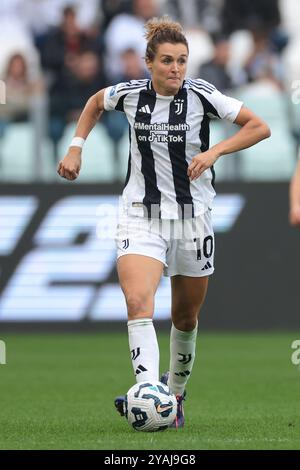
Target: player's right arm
69 166
295 197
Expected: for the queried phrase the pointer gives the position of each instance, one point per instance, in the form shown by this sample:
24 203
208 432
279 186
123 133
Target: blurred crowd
54 54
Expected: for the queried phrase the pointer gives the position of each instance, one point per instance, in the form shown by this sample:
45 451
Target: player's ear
148 64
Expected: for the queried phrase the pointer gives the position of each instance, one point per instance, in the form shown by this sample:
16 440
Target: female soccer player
166 215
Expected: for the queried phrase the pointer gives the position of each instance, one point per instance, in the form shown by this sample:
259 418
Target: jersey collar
151 89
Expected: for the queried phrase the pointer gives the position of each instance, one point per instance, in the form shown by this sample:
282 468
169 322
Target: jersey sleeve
226 106
218 105
114 96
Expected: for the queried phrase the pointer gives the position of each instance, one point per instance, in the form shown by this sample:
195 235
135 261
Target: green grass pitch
57 391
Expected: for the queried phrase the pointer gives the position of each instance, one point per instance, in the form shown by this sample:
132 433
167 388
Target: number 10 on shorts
207 248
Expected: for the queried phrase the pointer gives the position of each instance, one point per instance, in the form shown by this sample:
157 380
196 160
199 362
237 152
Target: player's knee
188 322
139 305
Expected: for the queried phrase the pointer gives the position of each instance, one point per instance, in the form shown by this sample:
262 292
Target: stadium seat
98 161
16 153
18 159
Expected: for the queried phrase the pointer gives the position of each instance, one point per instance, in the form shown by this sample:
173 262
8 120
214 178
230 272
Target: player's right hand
69 167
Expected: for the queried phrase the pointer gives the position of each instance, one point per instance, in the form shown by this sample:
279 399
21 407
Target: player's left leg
188 295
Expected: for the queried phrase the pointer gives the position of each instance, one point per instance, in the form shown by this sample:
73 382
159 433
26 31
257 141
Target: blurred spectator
48 14
65 42
243 14
132 69
25 99
74 65
76 88
111 8
15 33
216 70
87 79
19 90
196 13
126 31
263 63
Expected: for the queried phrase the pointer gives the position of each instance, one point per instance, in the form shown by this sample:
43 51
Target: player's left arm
253 130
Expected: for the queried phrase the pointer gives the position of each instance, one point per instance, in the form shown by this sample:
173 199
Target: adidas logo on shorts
207 266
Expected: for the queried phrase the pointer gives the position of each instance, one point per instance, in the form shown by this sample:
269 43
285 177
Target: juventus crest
178 106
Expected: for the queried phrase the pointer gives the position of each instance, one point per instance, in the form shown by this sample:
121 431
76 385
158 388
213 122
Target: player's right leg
139 277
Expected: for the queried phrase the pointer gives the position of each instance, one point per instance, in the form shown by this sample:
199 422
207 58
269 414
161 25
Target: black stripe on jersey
177 149
129 161
204 128
152 198
207 106
120 103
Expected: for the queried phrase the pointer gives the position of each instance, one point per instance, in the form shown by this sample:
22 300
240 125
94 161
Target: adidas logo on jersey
145 109
207 266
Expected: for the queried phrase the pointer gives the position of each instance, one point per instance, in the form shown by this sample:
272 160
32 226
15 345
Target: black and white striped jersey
166 132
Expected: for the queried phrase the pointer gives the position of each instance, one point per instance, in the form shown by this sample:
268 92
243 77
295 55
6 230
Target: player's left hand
201 162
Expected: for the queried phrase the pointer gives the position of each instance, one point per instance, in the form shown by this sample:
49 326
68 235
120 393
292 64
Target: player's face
168 68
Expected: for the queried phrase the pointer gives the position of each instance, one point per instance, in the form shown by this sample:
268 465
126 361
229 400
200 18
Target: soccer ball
150 406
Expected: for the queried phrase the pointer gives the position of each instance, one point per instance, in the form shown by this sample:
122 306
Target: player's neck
163 91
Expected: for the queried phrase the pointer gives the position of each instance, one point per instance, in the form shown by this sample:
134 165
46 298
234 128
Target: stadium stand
106 158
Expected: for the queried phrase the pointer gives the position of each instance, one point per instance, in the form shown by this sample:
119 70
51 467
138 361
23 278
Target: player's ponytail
161 30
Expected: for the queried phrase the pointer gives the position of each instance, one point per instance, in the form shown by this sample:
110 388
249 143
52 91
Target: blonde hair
161 30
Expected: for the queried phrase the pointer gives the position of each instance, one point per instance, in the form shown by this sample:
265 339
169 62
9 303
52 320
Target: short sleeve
226 106
112 95
216 104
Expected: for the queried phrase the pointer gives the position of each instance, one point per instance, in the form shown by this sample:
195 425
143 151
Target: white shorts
185 247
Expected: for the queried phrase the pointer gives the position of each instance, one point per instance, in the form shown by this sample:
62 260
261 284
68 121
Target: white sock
182 356
144 349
